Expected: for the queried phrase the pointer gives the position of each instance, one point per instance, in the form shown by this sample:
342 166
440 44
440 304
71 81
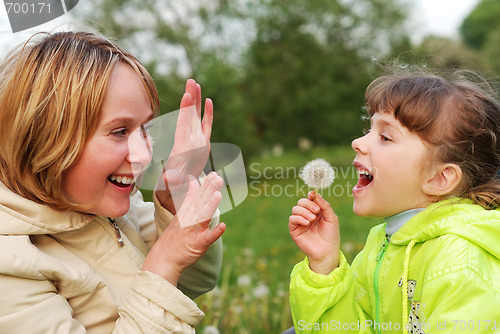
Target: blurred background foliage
269 63
287 78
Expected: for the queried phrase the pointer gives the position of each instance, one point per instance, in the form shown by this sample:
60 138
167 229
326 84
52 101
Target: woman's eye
145 129
120 132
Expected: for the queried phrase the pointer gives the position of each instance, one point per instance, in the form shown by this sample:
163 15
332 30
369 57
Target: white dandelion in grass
317 174
211 330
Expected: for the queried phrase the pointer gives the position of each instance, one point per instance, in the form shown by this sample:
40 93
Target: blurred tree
480 30
491 50
307 67
277 70
480 23
181 39
443 54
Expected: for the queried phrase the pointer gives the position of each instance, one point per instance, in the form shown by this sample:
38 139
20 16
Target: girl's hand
188 236
191 148
314 227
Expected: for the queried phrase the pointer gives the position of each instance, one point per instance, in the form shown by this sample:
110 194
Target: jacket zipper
376 277
117 231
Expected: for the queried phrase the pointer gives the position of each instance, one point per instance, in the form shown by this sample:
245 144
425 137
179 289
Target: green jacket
440 273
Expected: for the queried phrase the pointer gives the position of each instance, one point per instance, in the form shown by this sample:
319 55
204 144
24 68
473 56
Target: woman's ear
445 179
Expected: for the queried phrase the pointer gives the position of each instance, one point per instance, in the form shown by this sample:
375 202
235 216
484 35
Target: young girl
428 166
80 252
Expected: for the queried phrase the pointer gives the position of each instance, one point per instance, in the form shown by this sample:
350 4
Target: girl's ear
444 181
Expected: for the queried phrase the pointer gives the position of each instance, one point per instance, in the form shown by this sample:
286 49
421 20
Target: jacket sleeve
458 300
154 305
200 277
326 303
32 303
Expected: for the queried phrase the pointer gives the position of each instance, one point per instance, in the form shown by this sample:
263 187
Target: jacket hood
20 216
461 217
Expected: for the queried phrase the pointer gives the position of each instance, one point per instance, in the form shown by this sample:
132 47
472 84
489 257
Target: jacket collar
20 216
434 220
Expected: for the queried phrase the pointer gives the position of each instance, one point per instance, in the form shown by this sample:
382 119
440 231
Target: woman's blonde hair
51 94
455 115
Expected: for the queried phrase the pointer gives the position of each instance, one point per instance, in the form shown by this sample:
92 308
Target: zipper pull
117 231
382 249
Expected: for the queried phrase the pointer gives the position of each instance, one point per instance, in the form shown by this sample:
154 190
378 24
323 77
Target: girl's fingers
326 209
311 195
309 204
295 220
303 212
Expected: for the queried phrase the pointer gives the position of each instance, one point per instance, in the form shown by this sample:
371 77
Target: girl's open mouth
365 178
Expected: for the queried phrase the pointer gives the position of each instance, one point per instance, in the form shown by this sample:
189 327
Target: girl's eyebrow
388 123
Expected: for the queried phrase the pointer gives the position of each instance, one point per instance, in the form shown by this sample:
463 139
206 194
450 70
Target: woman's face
103 177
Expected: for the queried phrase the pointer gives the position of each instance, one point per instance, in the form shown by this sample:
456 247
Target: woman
80 251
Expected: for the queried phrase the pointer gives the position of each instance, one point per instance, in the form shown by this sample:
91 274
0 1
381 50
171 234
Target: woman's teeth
121 179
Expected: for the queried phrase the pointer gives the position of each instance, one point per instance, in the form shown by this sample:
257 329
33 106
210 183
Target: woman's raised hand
188 236
191 147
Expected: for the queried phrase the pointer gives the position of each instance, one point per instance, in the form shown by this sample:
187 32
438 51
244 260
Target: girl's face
102 178
392 165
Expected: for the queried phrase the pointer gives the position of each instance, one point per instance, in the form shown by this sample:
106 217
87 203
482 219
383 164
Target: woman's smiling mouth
121 181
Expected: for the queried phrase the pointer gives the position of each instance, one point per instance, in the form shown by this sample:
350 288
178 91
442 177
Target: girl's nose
358 144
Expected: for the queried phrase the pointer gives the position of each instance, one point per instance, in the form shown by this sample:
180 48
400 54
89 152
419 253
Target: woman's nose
139 148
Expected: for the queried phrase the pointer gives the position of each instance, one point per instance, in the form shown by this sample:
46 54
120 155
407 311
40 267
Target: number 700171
27 8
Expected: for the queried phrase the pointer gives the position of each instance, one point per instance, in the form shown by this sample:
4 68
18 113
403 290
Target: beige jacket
65 272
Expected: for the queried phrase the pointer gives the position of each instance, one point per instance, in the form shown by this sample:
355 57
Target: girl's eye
384 137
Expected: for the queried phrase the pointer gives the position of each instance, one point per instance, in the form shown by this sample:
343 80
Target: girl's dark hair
455 115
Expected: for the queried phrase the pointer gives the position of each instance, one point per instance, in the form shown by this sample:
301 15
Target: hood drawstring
404 285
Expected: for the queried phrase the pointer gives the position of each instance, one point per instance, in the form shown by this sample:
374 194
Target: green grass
258 249
252 293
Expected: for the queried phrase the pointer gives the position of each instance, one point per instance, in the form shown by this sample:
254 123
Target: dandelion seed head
261 291
317 174
244 280
211 330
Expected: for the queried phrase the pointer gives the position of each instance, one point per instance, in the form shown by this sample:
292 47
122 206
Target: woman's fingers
207 211
208 118
198 100
201 202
